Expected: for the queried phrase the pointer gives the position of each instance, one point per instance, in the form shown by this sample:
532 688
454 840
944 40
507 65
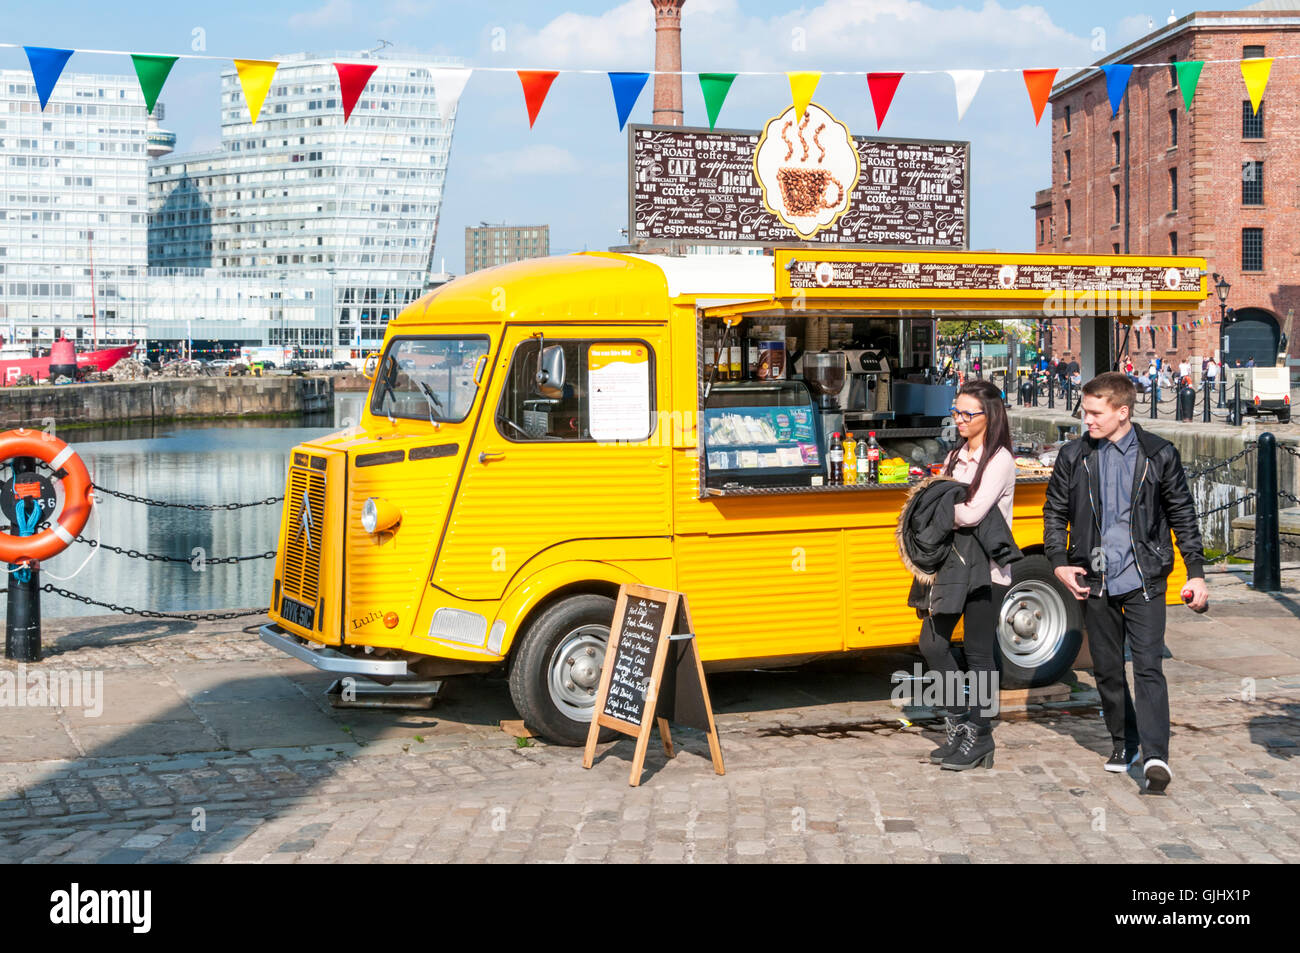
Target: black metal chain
158 558
149 613
1231 503
1290 497
207 507
1195 474
1290 449
1223 557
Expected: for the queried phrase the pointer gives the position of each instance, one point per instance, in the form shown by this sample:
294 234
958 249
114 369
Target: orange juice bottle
850 461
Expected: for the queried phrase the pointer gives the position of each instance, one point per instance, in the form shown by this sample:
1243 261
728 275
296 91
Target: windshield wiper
434 404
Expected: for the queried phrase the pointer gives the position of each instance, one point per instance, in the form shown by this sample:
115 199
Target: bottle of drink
864 477
873 458
835 460
850 460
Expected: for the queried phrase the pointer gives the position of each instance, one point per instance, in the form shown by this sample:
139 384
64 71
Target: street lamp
1221 288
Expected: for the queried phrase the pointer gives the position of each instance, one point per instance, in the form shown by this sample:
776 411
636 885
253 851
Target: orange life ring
76 495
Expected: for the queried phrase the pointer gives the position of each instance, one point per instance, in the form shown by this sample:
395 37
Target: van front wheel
1040 626
556 668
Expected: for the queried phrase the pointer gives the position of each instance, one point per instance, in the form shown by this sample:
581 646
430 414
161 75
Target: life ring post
23 607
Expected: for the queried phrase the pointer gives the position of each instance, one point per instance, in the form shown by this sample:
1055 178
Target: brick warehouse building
1219 181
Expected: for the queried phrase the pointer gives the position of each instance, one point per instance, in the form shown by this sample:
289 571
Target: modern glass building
73 208
352 208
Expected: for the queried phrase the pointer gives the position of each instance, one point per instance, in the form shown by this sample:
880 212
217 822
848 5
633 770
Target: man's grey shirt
1118 462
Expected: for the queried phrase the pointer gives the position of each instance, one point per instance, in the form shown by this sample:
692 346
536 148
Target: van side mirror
549 380
370 366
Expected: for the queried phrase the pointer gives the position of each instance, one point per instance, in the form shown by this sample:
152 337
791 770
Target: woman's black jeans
980 641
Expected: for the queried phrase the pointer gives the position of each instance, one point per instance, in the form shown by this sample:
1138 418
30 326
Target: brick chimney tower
668 57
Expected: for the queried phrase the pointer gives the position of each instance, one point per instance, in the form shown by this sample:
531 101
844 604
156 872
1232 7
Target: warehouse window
1173 243
1114 139
1068 165
1114 190
1252 249
1252 183
1173 128
1173 190
1252 122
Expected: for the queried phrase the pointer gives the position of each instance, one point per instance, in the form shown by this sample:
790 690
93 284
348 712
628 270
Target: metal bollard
1268 569
1223 389
1155 398
1205 411
1234 412
1051 393
23 610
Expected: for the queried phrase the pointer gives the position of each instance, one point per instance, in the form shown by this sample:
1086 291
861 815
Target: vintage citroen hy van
539 433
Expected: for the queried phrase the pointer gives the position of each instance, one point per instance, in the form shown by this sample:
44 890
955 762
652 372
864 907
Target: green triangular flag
152 71
1189 74
715 87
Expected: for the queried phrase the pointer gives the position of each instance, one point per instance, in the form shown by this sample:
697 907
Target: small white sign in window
619 384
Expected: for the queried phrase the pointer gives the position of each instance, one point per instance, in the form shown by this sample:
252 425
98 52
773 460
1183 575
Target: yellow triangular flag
1255 73
255 77
802 87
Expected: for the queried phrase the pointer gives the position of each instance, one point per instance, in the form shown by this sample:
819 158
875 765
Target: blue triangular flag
627 87
1116 82
47 64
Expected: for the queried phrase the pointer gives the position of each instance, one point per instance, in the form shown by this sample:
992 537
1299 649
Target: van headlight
378 515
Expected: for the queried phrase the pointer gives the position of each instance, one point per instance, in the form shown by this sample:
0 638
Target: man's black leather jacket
1161 500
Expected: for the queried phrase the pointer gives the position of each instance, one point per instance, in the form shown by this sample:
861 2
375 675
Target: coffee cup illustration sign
807 168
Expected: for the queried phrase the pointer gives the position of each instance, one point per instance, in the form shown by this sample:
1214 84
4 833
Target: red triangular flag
1039 84
352 80
536 83
882 87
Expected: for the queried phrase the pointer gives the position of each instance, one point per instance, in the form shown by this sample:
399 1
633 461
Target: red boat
63 360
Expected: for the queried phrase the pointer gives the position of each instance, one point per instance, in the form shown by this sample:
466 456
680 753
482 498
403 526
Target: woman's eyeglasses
966 416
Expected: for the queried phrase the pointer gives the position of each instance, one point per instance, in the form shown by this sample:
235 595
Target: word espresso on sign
652 675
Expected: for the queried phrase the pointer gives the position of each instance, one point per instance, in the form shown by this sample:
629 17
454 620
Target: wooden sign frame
661 700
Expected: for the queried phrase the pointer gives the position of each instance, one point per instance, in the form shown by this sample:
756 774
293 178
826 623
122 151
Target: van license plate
297 613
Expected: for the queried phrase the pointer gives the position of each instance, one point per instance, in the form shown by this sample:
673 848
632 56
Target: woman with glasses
982 459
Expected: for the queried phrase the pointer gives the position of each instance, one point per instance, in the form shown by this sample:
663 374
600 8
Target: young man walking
1113 496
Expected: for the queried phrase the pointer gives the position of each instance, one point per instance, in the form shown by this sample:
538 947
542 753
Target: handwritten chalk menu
637 691
699 186
809 273
638 640
619 390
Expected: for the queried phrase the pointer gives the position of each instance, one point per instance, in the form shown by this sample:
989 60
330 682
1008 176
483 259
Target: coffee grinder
825 373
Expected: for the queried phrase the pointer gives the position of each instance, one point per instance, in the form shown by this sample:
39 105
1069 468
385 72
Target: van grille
302 561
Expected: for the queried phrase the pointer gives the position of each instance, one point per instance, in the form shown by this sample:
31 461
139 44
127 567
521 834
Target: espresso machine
866 392
825 373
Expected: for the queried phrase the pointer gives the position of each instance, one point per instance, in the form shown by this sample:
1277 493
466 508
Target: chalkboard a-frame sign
652 674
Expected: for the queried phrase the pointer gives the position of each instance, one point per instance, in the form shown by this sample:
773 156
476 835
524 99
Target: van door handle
487 456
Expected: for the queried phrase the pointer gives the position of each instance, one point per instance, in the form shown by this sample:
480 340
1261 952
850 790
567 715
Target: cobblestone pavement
212 748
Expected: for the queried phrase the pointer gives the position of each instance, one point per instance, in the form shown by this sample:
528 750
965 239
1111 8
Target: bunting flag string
882 87
627 89
536 83
152 72
255 80
715 87
47 65
352 80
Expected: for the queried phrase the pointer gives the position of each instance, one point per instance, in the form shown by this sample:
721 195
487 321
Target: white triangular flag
448 84
967 82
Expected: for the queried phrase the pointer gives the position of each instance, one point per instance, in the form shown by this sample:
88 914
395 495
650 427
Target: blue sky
570 170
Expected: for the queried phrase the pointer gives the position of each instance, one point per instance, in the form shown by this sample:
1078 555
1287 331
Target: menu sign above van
796 182
1151 283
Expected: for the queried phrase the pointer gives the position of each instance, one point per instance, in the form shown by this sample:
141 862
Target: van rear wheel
557 666
1040 626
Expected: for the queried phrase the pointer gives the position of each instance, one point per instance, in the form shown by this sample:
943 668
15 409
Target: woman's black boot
974 748
952 737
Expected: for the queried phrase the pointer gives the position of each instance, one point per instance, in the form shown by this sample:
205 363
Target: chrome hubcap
1031 623
573 674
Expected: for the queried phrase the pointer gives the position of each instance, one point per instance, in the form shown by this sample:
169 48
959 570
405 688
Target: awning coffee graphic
805 181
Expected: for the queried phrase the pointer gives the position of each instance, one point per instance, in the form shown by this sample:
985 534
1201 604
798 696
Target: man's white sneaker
1158 775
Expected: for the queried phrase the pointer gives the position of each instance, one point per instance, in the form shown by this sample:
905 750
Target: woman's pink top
998 486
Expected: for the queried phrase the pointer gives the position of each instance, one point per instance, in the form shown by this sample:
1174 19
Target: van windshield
428 378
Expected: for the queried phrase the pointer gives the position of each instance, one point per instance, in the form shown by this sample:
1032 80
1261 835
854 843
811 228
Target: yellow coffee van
540 433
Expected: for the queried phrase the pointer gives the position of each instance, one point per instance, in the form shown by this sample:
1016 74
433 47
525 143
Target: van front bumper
330 660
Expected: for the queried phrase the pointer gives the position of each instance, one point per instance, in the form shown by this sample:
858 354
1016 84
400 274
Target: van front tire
1040 626
556 668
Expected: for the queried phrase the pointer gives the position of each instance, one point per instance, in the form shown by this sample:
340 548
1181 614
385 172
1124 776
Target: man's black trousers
1143 716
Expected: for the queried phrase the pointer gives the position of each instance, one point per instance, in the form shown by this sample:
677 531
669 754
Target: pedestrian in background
1112 498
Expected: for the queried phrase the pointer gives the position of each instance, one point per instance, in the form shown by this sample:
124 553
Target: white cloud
538 159
332 13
